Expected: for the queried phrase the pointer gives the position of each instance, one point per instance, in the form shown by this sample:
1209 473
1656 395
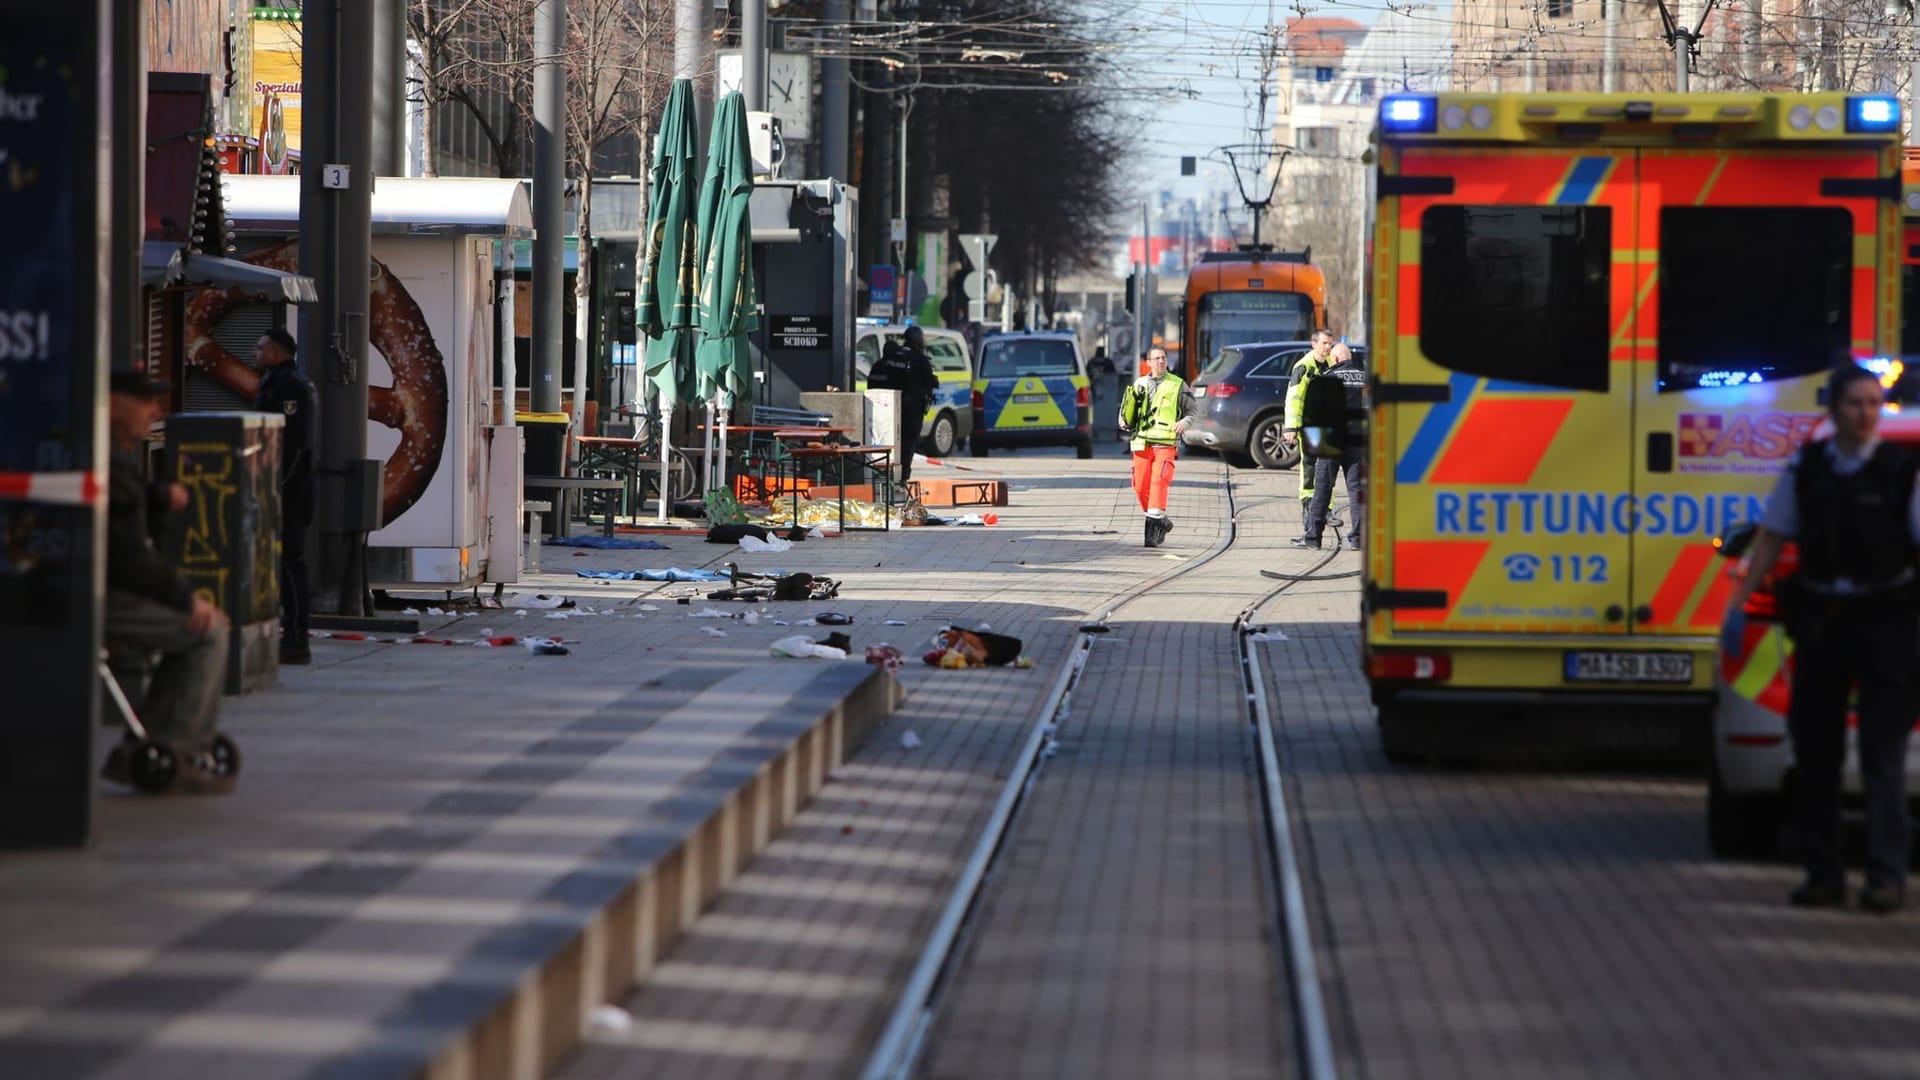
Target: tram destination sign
801 331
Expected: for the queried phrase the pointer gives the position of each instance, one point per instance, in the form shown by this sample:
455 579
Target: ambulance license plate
1030 399
1641 667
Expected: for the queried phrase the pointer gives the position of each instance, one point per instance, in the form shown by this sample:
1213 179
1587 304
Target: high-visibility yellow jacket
1151 407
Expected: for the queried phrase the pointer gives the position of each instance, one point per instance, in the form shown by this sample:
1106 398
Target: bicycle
637 459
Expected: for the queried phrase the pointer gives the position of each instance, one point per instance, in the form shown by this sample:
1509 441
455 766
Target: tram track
898 1051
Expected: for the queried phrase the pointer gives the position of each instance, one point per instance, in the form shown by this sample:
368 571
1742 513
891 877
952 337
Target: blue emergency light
1875 113
1409 113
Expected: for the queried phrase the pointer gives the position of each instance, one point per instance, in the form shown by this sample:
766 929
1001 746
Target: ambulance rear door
1509 390
1757 271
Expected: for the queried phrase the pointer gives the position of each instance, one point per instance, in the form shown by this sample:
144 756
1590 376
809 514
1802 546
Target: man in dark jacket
286 392
151 607
903 366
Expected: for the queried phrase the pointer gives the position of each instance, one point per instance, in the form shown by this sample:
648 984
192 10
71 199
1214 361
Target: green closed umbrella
670 272
670 268
728 298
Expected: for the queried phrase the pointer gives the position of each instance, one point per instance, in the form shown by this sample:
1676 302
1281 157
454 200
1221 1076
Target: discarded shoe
838 640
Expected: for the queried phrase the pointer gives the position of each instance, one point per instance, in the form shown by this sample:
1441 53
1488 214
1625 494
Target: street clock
789 89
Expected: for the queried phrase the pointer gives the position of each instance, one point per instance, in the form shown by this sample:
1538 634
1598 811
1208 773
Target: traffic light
1133 286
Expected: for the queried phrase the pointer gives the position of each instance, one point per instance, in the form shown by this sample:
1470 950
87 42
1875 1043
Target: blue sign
880 285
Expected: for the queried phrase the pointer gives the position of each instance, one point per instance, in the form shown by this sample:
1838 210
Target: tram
1237 297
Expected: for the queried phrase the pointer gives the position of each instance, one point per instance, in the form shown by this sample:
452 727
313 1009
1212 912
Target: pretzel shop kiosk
437 246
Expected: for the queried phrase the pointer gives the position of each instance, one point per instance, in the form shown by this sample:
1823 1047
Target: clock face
789 89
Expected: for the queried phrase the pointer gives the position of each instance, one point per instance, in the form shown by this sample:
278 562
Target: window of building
1316 140
1517 292
1559 9
1752 294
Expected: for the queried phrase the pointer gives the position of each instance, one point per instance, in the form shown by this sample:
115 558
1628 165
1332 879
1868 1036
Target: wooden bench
565 486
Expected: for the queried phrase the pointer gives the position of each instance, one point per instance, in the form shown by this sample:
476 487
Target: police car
1032 389
949 419
1752 766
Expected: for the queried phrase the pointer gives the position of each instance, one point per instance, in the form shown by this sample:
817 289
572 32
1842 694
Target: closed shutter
238 332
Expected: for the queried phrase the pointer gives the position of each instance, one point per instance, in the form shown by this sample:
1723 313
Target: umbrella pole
666 451
726 415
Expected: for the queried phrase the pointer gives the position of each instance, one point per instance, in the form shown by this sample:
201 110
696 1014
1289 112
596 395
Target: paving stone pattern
1499 922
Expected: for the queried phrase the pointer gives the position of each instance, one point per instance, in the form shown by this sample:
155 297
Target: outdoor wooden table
565 486
879 457
780 435
616 455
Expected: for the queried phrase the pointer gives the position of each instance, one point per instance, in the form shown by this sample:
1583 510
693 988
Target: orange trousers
1153 475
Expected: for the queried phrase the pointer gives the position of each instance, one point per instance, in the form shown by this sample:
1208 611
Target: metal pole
343 398
126 341
753 54
834 117
1682 46
906 237
390 88
1146 275
549 179
1610 50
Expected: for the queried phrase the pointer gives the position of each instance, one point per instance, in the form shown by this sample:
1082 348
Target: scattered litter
781 622
806 622
751 618
545 646
771 543
435 611
886 656
670 573
710 613
838 640
955 648
910 741
558 615
486 631
537 600
520 614
815 533
832 618
410 611
713 631
799 645
609 543
1267 635
649 607
609 1018
894 622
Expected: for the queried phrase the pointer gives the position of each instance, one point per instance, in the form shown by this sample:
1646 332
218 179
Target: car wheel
1083 449
941 440
1743 825
1268 449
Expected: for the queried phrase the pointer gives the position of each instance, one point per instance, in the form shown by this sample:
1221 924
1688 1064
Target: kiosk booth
439 253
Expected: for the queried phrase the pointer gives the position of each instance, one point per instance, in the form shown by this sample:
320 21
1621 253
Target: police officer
1347 371
1318 359
1155 412
284 390
1851 503
903 366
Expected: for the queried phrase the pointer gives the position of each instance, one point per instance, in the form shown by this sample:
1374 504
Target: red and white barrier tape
63 488
486 642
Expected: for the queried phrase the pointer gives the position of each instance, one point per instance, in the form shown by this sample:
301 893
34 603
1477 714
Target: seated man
150 607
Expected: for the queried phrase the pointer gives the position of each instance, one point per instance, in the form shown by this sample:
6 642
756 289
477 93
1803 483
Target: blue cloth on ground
671 573
609 543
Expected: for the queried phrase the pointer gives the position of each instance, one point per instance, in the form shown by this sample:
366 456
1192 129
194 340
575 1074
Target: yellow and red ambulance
1600 326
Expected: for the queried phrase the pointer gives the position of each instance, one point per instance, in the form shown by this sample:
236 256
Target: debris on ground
801 646
910 741
955 648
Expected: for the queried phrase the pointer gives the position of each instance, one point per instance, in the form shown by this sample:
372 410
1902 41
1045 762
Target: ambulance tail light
1409 113
1224 389
1410 667
1873 113
1083 397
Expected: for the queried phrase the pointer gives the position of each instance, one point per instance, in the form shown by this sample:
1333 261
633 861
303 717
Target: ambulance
1600 326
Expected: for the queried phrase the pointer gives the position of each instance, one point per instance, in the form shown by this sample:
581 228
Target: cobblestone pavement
1483 922
793 970
1126 933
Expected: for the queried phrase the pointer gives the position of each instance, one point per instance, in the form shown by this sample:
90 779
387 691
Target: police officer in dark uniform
1351 440
903 366
1851 503
284 390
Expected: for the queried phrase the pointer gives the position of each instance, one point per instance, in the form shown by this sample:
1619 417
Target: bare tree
461 62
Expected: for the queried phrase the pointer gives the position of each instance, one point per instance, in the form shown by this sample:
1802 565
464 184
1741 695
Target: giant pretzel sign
416 404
